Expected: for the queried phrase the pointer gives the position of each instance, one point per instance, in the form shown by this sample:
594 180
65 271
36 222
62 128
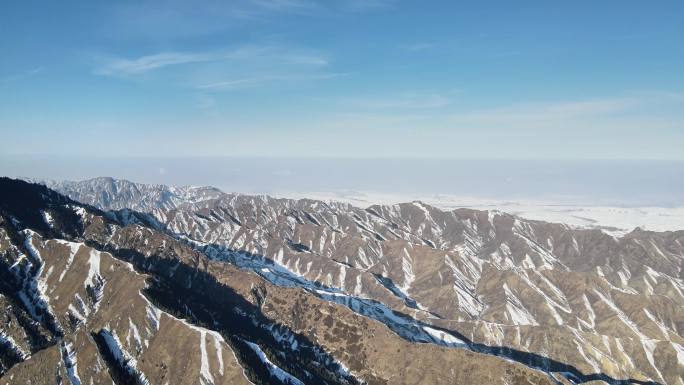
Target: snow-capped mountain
406 293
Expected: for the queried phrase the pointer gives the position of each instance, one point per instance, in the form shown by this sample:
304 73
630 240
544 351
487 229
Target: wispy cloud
126 67
400 102
243 67
22 75
233 84
317 7
179 18
204 102
287 5
366 5
535 113
418 47
260 55
439 113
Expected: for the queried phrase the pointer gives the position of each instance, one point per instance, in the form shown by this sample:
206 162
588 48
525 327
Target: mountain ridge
179 192
242 224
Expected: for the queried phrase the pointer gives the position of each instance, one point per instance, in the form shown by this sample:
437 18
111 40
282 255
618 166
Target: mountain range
110 281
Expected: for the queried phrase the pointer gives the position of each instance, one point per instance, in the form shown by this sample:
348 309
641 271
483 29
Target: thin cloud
127 67
418 47
313 8
204 102
366 5
299 6
177 18
231 84
22 75
402 102
234 84
436 114
531 113
259 55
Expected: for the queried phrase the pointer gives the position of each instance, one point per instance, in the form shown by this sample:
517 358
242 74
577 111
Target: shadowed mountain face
263 290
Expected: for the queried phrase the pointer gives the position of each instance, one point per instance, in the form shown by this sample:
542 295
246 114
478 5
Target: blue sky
345 78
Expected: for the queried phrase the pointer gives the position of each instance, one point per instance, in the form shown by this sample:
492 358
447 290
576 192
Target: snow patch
73 249
446 338
94 282
7 340
70 362
122 357
205 371
517 313
48 219
275 370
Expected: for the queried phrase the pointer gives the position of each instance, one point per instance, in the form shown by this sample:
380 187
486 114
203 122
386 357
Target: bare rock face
312 292
91 298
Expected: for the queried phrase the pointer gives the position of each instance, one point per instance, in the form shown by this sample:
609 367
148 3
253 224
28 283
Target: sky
345 78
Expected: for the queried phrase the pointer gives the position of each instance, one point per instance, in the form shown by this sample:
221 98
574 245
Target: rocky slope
112 297
557 298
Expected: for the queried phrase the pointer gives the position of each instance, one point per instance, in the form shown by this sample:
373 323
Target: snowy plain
612 219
